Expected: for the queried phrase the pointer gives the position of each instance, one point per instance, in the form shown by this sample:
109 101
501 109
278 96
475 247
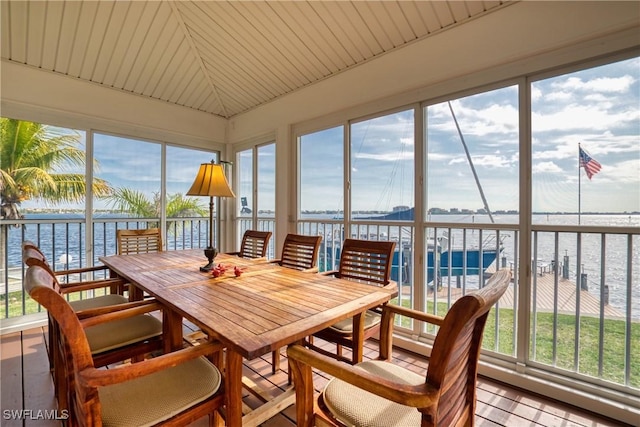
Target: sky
598 108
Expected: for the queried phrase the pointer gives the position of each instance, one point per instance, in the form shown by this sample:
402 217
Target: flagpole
579 187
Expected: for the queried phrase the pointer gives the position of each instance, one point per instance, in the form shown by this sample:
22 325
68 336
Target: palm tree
29 155
138 204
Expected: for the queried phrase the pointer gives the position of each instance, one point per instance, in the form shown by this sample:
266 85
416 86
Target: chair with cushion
299 252
377 393
364 261
172 389
254 244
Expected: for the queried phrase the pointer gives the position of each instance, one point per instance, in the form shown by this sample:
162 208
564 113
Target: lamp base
210 253
207 268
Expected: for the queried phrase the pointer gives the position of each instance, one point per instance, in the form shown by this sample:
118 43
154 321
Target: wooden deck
27 385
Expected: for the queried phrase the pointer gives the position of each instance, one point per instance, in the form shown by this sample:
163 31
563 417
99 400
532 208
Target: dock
546 292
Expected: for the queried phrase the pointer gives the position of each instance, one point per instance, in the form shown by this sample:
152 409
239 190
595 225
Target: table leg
358 337
172 330
233 387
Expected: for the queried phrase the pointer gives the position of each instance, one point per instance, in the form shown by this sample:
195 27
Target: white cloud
386 157
602 84
546 167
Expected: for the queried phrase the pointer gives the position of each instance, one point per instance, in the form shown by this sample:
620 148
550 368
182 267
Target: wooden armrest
412 395
93 377
304 270
91 284
414 314
98 311
331 273
393 287
117 313
81 270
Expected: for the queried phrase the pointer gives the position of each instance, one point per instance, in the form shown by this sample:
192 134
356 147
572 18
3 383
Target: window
133 168
182 231
596 110
382 171
256 209
321 191
472 158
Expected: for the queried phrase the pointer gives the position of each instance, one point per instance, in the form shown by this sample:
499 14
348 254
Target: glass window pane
245 184
266 180
382 165
182 167
59 154
321 173
596 110
472 158
133 168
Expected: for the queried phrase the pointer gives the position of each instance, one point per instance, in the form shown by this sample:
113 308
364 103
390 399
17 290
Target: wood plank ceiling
220 57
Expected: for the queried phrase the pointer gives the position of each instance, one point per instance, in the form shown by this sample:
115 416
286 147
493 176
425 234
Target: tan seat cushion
356 407
345 326
153 398
100 301
118 333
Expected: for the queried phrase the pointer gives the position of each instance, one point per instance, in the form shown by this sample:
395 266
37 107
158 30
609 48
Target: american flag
591 166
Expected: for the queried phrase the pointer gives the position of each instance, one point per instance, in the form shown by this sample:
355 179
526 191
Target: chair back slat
32 255
453 364
254 244
300 252
367 261
139 241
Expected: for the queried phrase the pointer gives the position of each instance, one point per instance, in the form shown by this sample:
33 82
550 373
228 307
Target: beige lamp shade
211 181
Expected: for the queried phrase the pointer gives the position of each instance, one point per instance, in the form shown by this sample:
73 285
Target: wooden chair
365 261
379 393
131 337
254 244
139 241
172 389
299 252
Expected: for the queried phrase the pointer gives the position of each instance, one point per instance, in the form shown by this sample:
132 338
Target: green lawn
30 306
614 341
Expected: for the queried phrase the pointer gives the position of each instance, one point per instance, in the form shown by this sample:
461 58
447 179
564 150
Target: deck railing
584 304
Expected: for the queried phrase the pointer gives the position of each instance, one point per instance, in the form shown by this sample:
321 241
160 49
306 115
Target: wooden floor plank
11 373
38 385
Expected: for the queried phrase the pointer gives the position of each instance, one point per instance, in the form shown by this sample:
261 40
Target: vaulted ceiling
219 57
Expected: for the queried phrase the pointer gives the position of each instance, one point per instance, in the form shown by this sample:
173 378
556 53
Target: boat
443 259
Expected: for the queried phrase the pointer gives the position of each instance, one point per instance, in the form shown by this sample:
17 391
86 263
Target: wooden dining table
263 309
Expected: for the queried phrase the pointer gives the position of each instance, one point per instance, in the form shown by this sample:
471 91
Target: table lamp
210 181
